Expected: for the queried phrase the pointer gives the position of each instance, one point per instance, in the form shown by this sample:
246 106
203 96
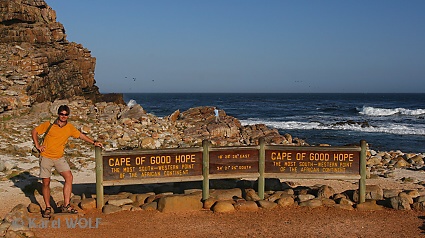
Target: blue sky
251 46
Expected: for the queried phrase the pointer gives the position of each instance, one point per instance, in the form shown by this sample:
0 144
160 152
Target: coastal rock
402 202
38 63
401 163
419 206
417 159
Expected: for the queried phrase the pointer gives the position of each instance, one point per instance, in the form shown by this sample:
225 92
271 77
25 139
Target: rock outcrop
37 63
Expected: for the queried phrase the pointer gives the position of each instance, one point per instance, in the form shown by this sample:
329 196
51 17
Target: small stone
267 204
246 206
345 201
400 203
208 203
408 180
4 227
389 193
135 209
34 208
223 207
313 203
325 192
419 206
88 204
413 193
251 195
344 207
305 197
151 206
126 207
63 217
420 199
120 202
327 202
286 201
369 206
108 209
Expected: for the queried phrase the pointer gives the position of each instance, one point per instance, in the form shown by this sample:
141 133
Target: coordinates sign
233 161
152 166
312 162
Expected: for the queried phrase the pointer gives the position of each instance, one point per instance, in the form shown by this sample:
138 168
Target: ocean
386 121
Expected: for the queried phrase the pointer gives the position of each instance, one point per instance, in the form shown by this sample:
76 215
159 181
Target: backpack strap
47 131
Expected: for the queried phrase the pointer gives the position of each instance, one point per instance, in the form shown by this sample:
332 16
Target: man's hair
63 108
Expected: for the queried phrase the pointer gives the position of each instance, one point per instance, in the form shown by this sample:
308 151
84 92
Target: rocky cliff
37 63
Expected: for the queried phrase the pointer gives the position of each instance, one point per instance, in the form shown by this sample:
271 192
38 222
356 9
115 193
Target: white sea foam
131 103
387 128
372 111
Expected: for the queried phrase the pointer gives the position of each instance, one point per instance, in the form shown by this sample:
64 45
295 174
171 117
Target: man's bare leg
67 187
45 189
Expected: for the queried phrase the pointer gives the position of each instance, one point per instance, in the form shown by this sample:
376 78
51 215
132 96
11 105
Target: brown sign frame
202 163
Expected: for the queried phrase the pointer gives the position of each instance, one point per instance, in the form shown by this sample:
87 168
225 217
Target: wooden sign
158 165
316 162
233 161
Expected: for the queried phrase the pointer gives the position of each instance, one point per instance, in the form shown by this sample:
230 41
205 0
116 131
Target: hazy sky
251 45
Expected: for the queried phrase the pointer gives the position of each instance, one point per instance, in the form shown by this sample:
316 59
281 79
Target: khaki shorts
46 165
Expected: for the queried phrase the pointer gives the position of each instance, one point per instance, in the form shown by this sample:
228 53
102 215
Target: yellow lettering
185 158
140 160
343 157
281 156
160 159
300 156
319 156
119 162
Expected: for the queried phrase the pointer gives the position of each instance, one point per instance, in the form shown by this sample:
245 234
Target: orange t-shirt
56 139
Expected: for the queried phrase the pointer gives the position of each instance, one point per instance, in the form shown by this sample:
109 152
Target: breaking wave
387 128
372 111
131 103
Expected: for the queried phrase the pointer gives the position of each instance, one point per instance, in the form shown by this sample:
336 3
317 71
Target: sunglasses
64 114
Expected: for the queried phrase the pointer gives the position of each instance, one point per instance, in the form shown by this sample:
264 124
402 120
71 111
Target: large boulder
176 203
37 62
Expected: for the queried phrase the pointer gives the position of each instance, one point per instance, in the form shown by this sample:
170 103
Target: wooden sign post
205 163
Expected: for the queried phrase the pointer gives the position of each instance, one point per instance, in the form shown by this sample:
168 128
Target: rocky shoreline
40 70
120 127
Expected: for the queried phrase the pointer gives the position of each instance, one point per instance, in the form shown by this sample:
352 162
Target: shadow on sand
423 224
31 186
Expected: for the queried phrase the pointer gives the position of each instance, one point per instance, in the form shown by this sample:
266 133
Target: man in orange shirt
52 151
